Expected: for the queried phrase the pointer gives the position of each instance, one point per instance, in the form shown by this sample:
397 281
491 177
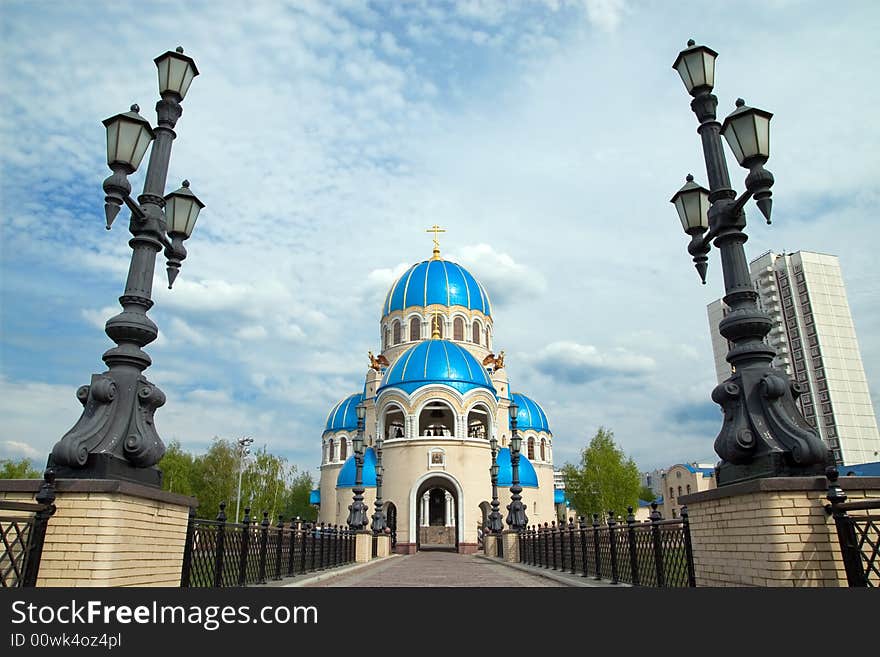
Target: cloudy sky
325 137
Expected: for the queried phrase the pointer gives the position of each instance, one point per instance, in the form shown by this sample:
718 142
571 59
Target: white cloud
605 14
548 150
579 363
506 280
14 449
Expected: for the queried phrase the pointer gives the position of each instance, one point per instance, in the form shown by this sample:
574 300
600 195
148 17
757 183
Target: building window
678 475
679 491
531 449
671 492
331 451
543 451
476 332
415 329
387 342
395 329
343 449
688 489
458 329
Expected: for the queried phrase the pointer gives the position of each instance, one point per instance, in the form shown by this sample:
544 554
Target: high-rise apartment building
816 344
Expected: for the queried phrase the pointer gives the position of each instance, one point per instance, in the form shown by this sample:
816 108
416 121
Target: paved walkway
444 569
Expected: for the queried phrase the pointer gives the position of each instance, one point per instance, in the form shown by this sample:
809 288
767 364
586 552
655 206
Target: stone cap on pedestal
779 484
109 486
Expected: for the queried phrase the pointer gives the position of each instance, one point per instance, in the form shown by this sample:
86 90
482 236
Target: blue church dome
345 479
528 478
530 414
343 417
436 361
437 281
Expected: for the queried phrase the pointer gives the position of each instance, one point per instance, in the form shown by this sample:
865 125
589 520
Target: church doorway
437 515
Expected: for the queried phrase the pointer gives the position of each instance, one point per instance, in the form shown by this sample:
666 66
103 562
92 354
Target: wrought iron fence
22 534
220 553
654 553
858 534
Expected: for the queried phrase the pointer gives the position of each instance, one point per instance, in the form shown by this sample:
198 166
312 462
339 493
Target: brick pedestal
363 546
383 546
770 532
511 545
109 533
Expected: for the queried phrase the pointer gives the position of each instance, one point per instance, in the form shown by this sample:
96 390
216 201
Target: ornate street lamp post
116 437
378 525
764 433
516 516
357 510
243 450
495 524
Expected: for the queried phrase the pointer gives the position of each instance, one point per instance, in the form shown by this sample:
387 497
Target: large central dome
437 281
436 361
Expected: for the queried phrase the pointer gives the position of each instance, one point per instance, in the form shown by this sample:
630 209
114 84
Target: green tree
20 469
296 502
604 480
647 494
178 470
264 484
215 479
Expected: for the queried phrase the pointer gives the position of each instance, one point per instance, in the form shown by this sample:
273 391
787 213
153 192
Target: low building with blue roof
683 479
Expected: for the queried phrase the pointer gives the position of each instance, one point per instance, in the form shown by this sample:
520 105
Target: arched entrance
437 513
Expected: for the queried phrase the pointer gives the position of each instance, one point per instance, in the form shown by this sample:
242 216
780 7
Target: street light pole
115 438
516 516
379 523
764 433
495 524
243 451
357 510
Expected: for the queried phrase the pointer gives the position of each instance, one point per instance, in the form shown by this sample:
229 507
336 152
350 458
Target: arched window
415 329
343 449
331 453
543 450
671 492
458 329
476 332
387 342
396 331
488 346
688 489
531 449
679 491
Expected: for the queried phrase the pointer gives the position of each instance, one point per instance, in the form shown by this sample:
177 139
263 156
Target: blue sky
325 137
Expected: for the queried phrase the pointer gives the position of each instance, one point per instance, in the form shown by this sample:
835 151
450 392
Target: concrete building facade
816 344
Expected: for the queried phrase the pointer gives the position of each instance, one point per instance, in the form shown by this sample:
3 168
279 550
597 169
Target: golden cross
436 230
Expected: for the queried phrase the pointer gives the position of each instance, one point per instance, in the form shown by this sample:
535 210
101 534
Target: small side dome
530 414
347 473
528 478
343 417
436 361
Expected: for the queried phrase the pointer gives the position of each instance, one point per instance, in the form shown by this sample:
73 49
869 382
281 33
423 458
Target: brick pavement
435 569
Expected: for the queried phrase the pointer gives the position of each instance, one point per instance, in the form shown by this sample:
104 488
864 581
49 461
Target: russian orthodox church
436 394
